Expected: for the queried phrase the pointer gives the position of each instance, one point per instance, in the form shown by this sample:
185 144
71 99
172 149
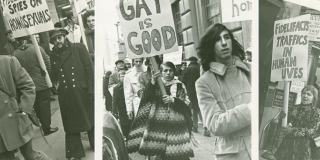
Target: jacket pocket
227 145
24 123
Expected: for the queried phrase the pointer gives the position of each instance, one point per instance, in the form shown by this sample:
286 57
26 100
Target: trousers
42 108
74 147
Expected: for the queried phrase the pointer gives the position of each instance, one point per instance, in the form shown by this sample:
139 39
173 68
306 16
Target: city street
203 152
57 140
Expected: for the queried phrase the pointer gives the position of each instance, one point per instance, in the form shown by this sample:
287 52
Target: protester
27 56
89 31
191 75
182 71
11 45
16 128
167 132
145 77
303 128
114 77
128 65
131 87
74 35
119 105
224 93
106 92
72 67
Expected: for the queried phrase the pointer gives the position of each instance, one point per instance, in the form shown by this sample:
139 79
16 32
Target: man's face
120 65
37 38
90 22
59 41
10 37
223 47
138 62
128 65
74 20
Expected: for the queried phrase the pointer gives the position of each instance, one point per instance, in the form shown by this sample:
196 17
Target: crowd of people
158 118
25 90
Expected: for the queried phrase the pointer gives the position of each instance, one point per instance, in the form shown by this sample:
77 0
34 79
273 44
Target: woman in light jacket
224 93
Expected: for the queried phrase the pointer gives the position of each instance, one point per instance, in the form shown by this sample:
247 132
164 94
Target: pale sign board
236 10
290 49
297 86
90 4
147 27
26 17
314 4
314 30
79 5
174 57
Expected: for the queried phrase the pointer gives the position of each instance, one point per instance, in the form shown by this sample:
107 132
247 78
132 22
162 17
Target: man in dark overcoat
73 68
191 75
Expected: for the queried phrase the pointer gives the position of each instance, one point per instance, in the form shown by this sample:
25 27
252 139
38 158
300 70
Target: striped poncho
162 129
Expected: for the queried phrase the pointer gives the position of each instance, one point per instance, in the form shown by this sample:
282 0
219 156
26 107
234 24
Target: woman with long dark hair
224 93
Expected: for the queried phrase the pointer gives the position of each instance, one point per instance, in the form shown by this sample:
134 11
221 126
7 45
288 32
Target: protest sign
174 57
279 98
236 10
147 27
296 86
90 4
314 4
314 29
26 17
290 49
79 5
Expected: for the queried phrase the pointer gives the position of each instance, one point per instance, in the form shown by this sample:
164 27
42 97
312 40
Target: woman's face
167 73
306 97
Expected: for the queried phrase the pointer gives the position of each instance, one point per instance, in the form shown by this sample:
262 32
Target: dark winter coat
9 48
74 70
191 75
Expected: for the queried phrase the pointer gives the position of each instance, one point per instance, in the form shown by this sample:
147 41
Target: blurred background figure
11 45
74 35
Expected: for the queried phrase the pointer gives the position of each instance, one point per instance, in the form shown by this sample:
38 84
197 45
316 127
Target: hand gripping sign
147 27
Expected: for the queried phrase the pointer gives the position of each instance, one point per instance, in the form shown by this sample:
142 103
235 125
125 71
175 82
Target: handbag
32 116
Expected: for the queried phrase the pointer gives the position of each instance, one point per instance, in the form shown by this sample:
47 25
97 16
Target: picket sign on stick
159 80
78 15
285 102
40 58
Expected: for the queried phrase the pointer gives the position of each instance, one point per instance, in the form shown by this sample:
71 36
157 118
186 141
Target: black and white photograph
289 49
174 79
47 80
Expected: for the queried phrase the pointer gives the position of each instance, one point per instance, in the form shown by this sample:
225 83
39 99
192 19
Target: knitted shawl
162 129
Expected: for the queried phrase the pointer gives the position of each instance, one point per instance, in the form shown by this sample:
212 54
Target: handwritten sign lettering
148 27
290 49
236 10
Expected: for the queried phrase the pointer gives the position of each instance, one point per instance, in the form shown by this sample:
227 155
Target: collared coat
74 70
224 95
15 128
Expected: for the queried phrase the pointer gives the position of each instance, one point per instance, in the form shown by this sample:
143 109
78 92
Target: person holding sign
224 93
303 128
26 55
15 126
167 132
72 67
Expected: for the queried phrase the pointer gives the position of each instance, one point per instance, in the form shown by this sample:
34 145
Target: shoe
50 131
206 132
73 158
194 129
268 155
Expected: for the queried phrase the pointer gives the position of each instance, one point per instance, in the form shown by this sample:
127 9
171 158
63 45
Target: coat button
64 81
72 67
61 70
62 75
74 85
72 73
6 101
72 79
10 115
66 86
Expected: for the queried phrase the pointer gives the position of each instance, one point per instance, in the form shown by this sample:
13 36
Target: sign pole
285 102
40 58
159 80
75 14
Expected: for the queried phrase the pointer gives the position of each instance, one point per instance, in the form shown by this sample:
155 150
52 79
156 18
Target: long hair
168 64
205 50
314 92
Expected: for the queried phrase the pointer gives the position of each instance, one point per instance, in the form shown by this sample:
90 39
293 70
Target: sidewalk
203 152
57 139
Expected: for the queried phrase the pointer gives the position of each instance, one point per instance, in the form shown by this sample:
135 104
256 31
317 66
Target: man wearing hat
114 77
27 56
11 45
73 69
190 75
